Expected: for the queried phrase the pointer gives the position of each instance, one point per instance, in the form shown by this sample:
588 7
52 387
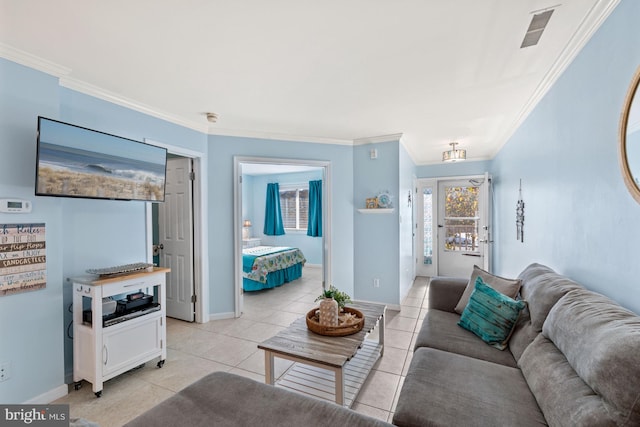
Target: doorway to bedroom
281 226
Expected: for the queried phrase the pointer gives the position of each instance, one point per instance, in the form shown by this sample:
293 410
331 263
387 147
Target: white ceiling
323 71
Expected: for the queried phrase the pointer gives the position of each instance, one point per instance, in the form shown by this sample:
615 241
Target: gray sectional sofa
572 360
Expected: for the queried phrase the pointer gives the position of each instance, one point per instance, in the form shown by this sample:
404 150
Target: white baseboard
49 396
222 316
394 307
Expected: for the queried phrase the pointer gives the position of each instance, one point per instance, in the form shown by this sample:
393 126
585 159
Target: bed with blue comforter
265 267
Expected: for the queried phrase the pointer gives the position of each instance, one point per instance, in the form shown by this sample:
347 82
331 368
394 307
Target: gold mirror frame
624 121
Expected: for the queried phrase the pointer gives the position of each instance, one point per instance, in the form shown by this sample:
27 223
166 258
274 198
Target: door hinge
192 176
193 298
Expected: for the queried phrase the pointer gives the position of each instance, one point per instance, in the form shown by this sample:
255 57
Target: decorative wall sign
520 216
23 260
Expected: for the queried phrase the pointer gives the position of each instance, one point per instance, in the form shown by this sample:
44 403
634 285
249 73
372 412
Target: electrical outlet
5 368
376 283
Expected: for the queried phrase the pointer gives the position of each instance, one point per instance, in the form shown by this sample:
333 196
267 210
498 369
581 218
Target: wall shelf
376 211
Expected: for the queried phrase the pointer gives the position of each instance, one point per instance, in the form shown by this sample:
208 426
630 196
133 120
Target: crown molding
592 21
100 93
32 61
214 131
378 139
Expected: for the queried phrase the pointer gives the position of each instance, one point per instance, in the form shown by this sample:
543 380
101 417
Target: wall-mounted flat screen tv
73 161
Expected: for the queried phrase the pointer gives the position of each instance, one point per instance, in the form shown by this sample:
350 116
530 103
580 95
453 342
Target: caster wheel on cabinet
161 364
98 393
77 386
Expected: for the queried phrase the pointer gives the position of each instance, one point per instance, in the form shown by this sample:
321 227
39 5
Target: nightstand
251 242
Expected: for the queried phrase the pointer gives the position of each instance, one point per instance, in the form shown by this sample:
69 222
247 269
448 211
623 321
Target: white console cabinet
103 352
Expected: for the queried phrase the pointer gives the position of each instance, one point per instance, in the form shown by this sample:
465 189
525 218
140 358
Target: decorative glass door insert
427 214
461 218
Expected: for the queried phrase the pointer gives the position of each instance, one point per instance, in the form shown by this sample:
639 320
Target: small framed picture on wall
372 202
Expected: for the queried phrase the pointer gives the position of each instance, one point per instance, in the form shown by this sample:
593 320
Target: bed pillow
491 315
508 287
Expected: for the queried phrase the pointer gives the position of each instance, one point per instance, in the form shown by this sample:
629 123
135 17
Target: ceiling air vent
536 27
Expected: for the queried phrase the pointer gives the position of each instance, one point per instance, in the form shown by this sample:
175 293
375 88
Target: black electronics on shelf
126 309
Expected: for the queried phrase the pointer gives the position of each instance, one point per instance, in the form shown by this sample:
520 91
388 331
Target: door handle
476 255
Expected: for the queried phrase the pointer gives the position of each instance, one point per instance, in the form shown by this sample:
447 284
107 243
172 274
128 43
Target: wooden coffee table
332 368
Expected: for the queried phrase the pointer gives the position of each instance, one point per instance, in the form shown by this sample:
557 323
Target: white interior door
462 226
175 224
425 227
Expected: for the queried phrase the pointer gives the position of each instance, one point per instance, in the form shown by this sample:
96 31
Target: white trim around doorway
237 216
200 228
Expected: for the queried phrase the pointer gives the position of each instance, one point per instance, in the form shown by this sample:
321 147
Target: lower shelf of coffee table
320 383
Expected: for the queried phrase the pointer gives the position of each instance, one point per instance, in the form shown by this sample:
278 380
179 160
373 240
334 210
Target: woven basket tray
335 331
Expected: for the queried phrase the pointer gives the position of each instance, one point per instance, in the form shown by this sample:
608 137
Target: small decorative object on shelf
384 200
372 202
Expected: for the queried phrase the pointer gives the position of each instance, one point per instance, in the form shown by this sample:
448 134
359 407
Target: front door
175 224
462 226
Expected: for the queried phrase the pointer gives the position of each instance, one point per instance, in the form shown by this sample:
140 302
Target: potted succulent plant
340 297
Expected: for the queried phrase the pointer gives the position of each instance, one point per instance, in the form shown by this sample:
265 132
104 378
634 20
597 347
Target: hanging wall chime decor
520 216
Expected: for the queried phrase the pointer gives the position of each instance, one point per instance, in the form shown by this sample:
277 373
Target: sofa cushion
541 288
445 292
562 395
223 399
447 389
508 287
601 341
491 315
440 330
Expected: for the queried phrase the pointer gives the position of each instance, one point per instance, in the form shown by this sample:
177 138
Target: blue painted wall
247 202
579 217
376 237
406 169
81 233
311 247
31 323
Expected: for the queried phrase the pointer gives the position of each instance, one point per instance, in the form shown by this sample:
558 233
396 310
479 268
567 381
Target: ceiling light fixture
212 117
454 155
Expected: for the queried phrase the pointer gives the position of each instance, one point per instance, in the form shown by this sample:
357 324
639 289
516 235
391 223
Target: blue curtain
272 214
314 226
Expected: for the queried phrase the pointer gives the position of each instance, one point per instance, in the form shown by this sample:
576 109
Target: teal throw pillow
491 315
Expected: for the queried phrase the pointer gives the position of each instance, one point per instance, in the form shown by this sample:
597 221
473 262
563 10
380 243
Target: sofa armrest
445 292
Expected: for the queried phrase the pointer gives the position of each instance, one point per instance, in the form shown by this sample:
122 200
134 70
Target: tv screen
73 161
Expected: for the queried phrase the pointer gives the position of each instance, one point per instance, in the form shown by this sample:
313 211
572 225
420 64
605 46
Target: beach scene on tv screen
78 162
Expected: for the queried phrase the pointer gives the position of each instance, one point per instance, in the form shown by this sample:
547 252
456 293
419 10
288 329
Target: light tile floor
230 345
